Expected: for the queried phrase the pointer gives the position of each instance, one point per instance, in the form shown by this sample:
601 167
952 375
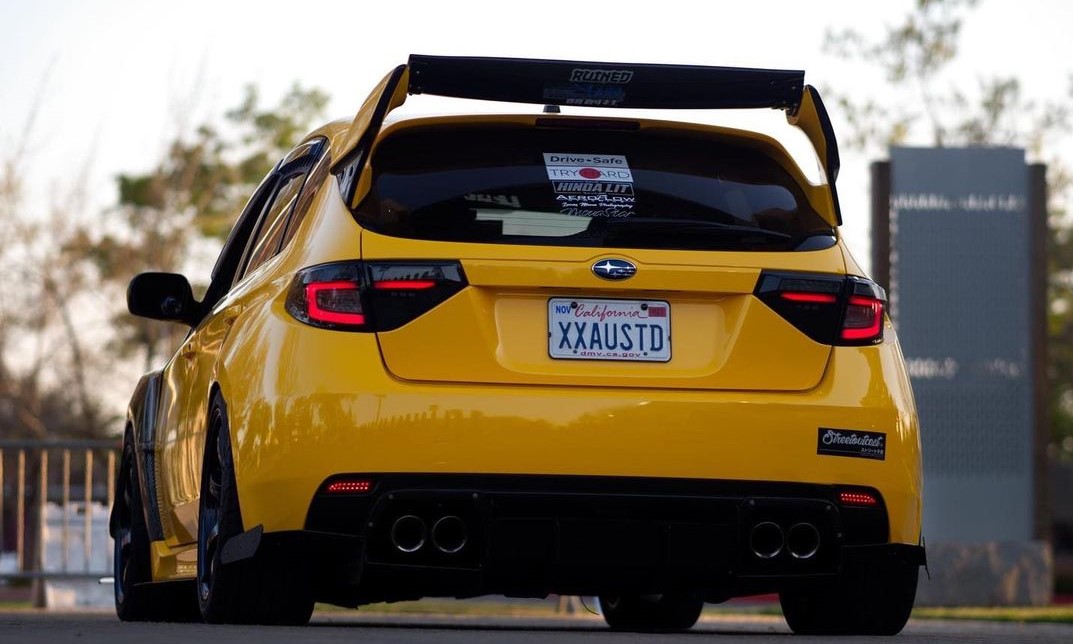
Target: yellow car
530 354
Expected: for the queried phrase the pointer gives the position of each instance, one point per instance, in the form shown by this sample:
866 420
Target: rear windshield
584 187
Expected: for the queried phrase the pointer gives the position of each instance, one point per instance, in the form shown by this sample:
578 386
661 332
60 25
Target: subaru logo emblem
614 269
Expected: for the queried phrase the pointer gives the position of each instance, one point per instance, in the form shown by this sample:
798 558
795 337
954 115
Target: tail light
829 309
371 296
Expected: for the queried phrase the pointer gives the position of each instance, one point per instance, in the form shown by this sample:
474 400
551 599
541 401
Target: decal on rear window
591 185
503 201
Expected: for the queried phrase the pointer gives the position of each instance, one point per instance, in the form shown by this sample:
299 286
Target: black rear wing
590 84
627 85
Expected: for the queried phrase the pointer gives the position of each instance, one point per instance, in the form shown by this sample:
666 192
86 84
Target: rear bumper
531 536
326 417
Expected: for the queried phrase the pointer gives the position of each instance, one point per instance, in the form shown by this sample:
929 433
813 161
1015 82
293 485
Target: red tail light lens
812 298
404 285
371 296
830 309
864 319
336 302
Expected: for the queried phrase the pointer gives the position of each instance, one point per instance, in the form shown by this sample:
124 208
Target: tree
45 367
914 56
191 197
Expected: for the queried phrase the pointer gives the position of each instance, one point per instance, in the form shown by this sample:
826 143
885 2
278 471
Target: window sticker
506 201
591 185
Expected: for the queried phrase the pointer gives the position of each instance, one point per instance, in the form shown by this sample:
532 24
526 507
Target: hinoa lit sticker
851 442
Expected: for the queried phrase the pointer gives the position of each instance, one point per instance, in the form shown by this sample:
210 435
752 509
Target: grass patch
1052 614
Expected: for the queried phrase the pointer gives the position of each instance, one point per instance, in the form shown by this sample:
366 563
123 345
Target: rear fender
141 422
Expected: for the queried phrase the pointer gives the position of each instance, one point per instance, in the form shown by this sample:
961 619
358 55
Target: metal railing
56 496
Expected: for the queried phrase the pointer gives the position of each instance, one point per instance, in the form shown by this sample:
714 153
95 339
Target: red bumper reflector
349 486
811 298
857 498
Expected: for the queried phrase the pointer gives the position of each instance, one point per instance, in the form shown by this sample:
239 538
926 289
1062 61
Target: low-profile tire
651 613
137 599
258 590
866 599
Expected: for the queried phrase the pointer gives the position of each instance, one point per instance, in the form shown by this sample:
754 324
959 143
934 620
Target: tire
868 599
137 599
651 613
252 591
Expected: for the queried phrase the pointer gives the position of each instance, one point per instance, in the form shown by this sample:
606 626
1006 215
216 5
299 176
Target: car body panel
495 330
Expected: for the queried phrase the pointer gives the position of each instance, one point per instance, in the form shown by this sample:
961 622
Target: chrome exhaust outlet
766 540
803 541
408 533
449 534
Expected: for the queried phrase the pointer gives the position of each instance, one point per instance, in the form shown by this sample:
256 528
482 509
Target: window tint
273 222
305 199
646 188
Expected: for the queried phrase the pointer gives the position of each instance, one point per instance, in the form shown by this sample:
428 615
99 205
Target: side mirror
162 296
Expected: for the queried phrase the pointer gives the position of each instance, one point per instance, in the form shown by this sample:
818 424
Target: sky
105 83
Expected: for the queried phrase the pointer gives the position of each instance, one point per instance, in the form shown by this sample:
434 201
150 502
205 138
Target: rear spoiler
589 84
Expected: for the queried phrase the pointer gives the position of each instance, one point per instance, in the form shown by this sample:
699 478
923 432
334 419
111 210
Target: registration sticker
599 329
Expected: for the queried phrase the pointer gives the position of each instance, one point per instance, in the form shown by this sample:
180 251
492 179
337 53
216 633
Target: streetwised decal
851 442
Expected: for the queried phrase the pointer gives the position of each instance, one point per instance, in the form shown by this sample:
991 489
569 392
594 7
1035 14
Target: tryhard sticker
851 442
581 168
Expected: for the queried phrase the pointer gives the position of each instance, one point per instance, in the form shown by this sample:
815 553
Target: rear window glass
581 187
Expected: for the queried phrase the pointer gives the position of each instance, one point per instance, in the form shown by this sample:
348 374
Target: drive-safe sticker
851 442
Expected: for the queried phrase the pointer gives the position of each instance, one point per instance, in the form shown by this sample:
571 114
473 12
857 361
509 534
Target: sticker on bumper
851 442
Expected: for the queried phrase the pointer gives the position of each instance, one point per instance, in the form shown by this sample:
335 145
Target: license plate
596 329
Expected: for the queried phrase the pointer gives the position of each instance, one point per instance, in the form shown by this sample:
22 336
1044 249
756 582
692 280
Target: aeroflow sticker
851 442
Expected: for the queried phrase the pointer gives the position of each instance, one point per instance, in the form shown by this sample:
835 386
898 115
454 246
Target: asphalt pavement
32 627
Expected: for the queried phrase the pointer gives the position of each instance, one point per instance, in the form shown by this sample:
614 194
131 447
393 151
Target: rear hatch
617 255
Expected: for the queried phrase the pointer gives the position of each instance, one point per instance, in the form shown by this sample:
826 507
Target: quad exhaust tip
803 541
766 540
449 534
408 533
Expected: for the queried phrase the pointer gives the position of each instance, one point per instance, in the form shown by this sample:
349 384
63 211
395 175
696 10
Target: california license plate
597 329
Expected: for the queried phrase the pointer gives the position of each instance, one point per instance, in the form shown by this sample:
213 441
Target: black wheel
137 599
252 591
647 613
869 599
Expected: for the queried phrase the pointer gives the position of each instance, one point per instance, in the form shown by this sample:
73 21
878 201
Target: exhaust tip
803 541
449 534
408 533
766 540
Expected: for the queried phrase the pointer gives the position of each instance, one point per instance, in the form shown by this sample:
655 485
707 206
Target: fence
54 507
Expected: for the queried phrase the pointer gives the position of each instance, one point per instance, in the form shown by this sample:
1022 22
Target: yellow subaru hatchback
530 354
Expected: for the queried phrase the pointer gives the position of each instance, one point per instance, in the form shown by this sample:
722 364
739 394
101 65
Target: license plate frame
576 325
